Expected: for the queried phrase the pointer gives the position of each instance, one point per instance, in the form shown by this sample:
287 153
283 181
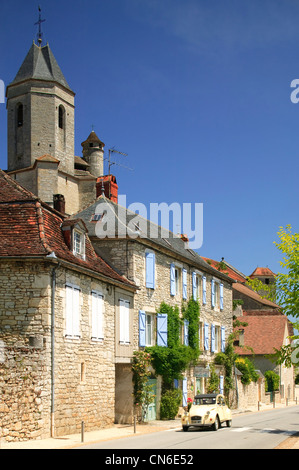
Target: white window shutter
76 312
124 318
97 315
68 311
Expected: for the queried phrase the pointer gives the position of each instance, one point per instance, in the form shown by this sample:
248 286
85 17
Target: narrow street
265 430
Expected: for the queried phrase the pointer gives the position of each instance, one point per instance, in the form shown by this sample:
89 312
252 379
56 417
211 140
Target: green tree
287 291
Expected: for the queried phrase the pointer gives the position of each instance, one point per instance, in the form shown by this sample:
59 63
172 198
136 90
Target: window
196 285
61 117
149 329
215 294
124 321
72 309
20 115
175 279
78 243
97 316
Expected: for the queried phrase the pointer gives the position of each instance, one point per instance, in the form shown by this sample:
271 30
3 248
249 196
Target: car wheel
216 424
229 423
185 428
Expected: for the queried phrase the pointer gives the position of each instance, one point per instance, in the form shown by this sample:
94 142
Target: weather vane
39 22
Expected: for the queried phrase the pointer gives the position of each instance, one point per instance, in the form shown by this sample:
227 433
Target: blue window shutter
172 279
141 328
176 383
150 270
162 329
213 292
206 336
186 333
184 284
223 339
221 296
204 290
185 391
194 290
221 384
212 338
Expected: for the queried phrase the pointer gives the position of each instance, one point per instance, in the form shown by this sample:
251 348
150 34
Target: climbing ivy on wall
171 361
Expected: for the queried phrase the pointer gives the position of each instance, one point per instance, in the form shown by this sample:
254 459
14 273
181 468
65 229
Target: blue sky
196 92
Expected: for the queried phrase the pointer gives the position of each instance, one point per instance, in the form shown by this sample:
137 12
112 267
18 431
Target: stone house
60 304
267 327
166 270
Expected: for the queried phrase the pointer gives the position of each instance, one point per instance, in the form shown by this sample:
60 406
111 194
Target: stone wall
84 368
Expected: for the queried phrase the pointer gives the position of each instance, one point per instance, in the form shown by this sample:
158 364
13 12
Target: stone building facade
59 303
165 270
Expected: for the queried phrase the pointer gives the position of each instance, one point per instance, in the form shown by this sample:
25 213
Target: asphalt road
261 430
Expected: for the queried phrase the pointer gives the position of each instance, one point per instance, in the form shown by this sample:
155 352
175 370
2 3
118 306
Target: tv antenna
110 163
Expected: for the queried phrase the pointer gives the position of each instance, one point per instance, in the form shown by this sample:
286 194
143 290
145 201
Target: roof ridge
41 227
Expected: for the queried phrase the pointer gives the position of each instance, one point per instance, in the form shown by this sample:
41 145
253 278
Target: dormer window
78 243
74 234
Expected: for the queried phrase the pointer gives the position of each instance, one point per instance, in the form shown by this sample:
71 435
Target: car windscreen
205 401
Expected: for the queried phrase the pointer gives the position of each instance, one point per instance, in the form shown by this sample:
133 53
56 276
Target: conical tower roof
40 64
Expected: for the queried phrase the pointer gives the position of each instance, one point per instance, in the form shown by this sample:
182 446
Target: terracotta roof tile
29 227
262 272
263 333
226 269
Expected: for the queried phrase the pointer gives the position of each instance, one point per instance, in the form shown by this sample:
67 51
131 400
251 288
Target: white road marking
240 429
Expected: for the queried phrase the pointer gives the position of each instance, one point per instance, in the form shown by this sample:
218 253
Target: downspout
53 292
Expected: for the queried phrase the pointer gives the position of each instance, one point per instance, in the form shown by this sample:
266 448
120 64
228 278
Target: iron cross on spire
39 22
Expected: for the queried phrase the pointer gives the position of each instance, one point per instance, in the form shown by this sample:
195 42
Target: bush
170 403
246 367
272 381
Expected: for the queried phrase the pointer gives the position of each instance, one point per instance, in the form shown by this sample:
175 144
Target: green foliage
140 368
288 283
228 359
272 381
213 383
246 367
171 361
266 291
170 403
191 313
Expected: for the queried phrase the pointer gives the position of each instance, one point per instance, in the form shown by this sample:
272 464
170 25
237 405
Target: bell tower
40 112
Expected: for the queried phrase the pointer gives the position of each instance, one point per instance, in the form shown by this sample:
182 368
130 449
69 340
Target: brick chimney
59 203
110 187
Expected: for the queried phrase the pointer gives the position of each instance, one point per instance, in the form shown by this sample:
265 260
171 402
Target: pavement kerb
118 431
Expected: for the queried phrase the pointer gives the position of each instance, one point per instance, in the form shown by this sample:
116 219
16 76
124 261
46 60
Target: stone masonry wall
84 368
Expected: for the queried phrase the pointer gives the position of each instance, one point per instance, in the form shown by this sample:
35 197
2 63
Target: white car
207 410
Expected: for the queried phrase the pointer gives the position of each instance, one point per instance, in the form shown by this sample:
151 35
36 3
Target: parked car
207 410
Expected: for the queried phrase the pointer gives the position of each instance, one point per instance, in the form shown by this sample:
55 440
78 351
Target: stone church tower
40 123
